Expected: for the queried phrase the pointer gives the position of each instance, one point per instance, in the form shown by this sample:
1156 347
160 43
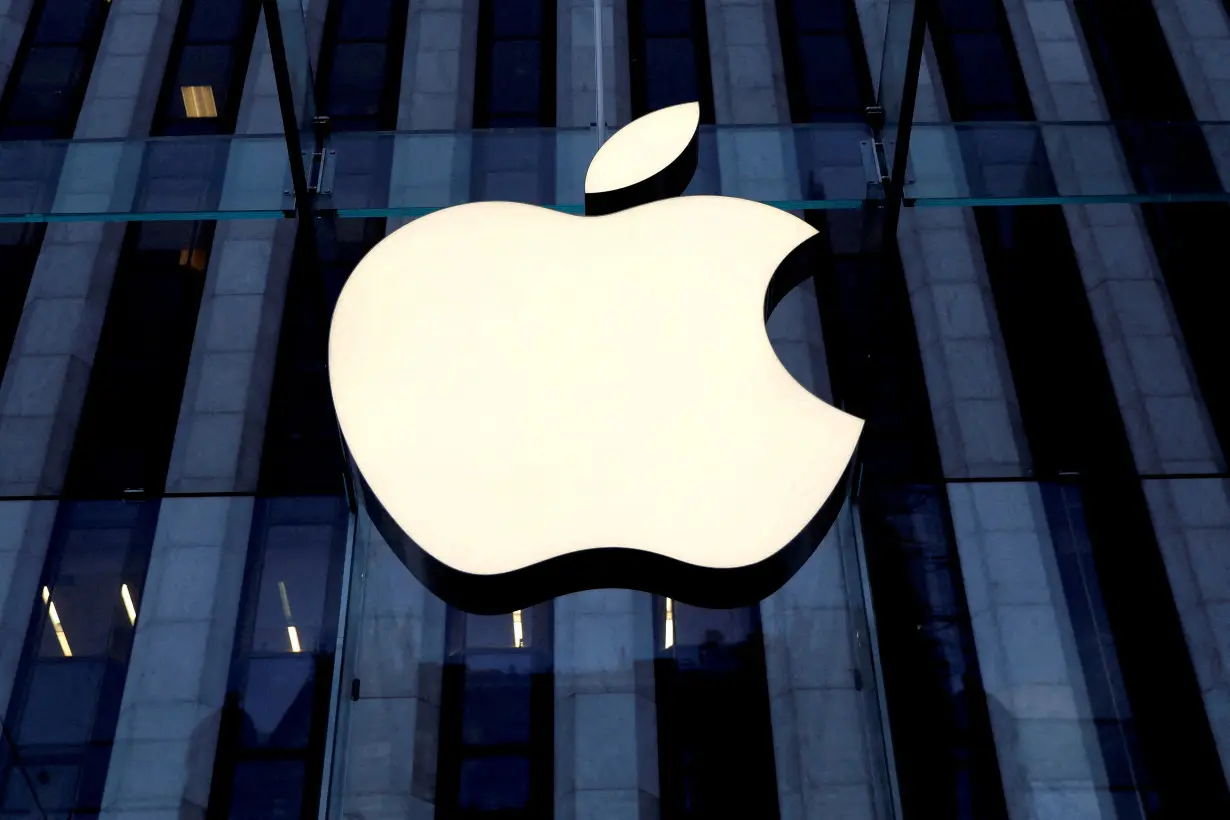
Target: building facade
1022 613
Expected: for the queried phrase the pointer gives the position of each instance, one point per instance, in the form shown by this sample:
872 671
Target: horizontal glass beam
800 167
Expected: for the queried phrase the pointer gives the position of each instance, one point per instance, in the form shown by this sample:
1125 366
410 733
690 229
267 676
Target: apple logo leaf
538 403
651 158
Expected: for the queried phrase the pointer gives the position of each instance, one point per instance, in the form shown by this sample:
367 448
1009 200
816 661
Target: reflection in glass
276 714
497 716
715 736
66 697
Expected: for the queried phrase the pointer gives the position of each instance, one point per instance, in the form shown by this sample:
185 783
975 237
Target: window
303 447
359 79
978 62
826 69
127 428
19 245
497 716
515 80
47 84
668 47
715 758
272 737
67 693
207 68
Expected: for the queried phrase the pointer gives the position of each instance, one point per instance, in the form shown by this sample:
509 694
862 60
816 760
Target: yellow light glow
132 610
518 634
199 101
294 638
669 630
56 625
194 258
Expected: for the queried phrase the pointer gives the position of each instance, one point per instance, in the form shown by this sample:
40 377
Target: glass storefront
1020 612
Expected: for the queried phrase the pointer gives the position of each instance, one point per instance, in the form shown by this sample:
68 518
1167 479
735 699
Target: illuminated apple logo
539 403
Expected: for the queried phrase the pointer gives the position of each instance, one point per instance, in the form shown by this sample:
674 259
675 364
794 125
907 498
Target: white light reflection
518 633
669 631
128 605
291 632
55 623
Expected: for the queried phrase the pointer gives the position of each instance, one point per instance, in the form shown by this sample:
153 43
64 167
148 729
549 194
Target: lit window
518 632
668 632
199 101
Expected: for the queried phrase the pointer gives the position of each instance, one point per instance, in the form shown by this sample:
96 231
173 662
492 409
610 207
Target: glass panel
205 177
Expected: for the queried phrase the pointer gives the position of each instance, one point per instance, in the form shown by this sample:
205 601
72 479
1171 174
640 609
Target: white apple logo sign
539 403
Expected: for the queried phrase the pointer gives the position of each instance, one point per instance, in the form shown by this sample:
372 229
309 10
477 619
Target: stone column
606 738
49 368
437 94
13 17
1159 400
388 737
166 738
823 726
1039 707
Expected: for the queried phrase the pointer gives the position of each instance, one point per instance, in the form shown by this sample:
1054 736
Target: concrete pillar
45 382
25 530
388 738
163 759
13 17
606 738
437 95
1165 419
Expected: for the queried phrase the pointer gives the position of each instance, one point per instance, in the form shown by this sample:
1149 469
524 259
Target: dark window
1103 534
945 754
47 83
270 756
207 68
668 49
127 427
19 245
715 758
515 81
826 68
497 735
978 62
359 79
66 697
303 447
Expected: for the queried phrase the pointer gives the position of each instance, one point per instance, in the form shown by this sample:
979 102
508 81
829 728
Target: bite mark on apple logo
538 403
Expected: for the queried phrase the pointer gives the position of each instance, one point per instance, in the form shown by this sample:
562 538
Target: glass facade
1021 613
